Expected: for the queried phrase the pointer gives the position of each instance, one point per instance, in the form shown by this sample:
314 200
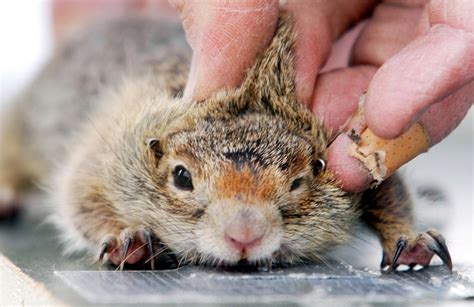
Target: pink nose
244 240
246 229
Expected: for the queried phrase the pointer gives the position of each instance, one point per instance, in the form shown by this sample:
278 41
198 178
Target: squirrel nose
245 230
243 242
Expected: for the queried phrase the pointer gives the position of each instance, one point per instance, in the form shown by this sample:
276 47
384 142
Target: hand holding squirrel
415 58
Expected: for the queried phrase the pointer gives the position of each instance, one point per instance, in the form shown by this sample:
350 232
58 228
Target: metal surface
338 283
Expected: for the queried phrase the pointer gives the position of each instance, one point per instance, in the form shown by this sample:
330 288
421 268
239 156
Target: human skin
414 58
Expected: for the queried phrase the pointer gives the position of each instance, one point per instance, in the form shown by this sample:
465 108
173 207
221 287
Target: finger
443 117
412 3
455 13
350 172
335 98
336 95
438 122
318 24
342 48
428 70
390 28
226 38
420 75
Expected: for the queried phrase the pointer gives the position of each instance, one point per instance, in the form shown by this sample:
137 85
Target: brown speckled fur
243 145
388 212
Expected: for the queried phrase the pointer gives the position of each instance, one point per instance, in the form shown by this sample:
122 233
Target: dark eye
319 165
182 178
296 184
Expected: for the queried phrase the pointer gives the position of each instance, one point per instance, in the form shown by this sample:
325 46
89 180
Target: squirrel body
238 176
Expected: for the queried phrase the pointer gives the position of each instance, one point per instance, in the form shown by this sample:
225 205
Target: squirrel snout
245 244
246 229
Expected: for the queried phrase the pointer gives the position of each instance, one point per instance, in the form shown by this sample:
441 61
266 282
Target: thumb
226 37
427 71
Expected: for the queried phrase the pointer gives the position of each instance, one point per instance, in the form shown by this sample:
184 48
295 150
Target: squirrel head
246 172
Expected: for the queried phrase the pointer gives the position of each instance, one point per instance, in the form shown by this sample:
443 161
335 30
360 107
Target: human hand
411 86
429 81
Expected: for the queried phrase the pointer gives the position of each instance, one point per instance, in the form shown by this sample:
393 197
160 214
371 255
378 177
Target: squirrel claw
131 246
439 247
419 250
149 244
401 245
108 244
125 250
103 249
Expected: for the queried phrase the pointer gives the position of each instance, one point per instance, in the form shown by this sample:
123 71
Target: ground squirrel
237 177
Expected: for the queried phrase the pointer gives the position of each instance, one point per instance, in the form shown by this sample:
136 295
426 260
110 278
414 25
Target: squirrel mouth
245 266
244 255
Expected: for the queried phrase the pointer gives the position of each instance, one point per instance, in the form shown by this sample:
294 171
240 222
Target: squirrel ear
155 146
272 76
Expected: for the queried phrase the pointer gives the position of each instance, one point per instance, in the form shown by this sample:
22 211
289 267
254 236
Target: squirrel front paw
132 246
417 251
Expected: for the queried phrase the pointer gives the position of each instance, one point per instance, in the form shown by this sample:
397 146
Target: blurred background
29 29
441 181
26 39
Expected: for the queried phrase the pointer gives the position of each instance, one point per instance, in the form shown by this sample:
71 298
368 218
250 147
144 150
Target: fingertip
351 174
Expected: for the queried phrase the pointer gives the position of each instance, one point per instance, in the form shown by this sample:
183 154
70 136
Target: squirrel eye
319 165
182 178
296 184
